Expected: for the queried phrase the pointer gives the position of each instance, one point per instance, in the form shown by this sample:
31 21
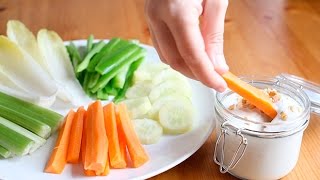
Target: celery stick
14 115
14 141
37 119
36 139
101 94
4 153
108 63
104 51
128 80
86 81
43 115
93 80
103 81
84 64
90 43
119 80
111 90
74 56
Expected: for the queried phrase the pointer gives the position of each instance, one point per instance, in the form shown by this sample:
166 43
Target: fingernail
222 87
220 64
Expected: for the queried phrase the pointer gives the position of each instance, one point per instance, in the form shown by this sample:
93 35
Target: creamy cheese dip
288 108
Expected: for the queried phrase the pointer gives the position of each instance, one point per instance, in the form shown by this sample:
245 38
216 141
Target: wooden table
261 37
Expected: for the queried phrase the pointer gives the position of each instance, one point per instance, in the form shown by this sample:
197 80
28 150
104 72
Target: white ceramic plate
169 152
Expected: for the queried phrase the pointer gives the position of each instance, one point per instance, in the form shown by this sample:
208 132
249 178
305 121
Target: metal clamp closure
221 139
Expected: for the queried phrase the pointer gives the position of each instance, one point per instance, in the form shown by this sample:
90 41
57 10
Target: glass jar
260 150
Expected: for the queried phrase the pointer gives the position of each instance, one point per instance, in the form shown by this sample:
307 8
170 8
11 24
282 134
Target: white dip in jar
249 145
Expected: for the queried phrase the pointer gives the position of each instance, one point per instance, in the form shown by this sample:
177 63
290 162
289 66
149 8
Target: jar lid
311 89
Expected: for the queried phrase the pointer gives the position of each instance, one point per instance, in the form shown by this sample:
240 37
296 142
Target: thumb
212 28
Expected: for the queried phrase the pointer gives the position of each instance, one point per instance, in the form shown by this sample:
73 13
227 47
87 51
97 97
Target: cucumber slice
147 71
148 131
176 117
168 74
140 89
156 106
138 107
169 87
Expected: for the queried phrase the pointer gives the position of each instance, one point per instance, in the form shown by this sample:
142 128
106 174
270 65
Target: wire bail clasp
221 139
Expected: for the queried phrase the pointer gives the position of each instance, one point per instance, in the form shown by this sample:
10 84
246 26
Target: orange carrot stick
58 158
253 95
76 136
83 139
107 168
96 139
83 147
136 151
122 139
89 173
117 158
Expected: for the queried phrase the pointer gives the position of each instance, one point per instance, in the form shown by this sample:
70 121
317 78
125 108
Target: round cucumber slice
169 87
138 107
168 74
154 111
148 71
140 89
176 117
148 131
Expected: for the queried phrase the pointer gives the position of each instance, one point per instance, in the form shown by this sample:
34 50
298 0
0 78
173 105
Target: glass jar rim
276 128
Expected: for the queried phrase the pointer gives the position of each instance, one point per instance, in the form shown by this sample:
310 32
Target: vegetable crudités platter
106 109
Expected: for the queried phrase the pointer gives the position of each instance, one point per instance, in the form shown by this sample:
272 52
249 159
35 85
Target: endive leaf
57 58
25 72
21 35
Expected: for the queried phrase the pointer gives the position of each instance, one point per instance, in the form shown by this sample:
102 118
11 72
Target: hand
188 46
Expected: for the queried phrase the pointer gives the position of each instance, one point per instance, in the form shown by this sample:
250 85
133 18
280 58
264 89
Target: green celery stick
90 43
14 115
93 80
4 153
86 81
128 80
108 63
44 115
38 141
14 142
111 45
101 94
84 64
74 56
103 81
35 118
119 80
109 89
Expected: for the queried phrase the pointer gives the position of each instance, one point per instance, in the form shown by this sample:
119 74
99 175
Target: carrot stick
89 173
117 158
76 136
83 147
136 151
96 139
83 139
58 158
253 95
107 168
122 139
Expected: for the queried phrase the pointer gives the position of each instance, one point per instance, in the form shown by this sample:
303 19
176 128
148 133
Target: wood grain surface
262 37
